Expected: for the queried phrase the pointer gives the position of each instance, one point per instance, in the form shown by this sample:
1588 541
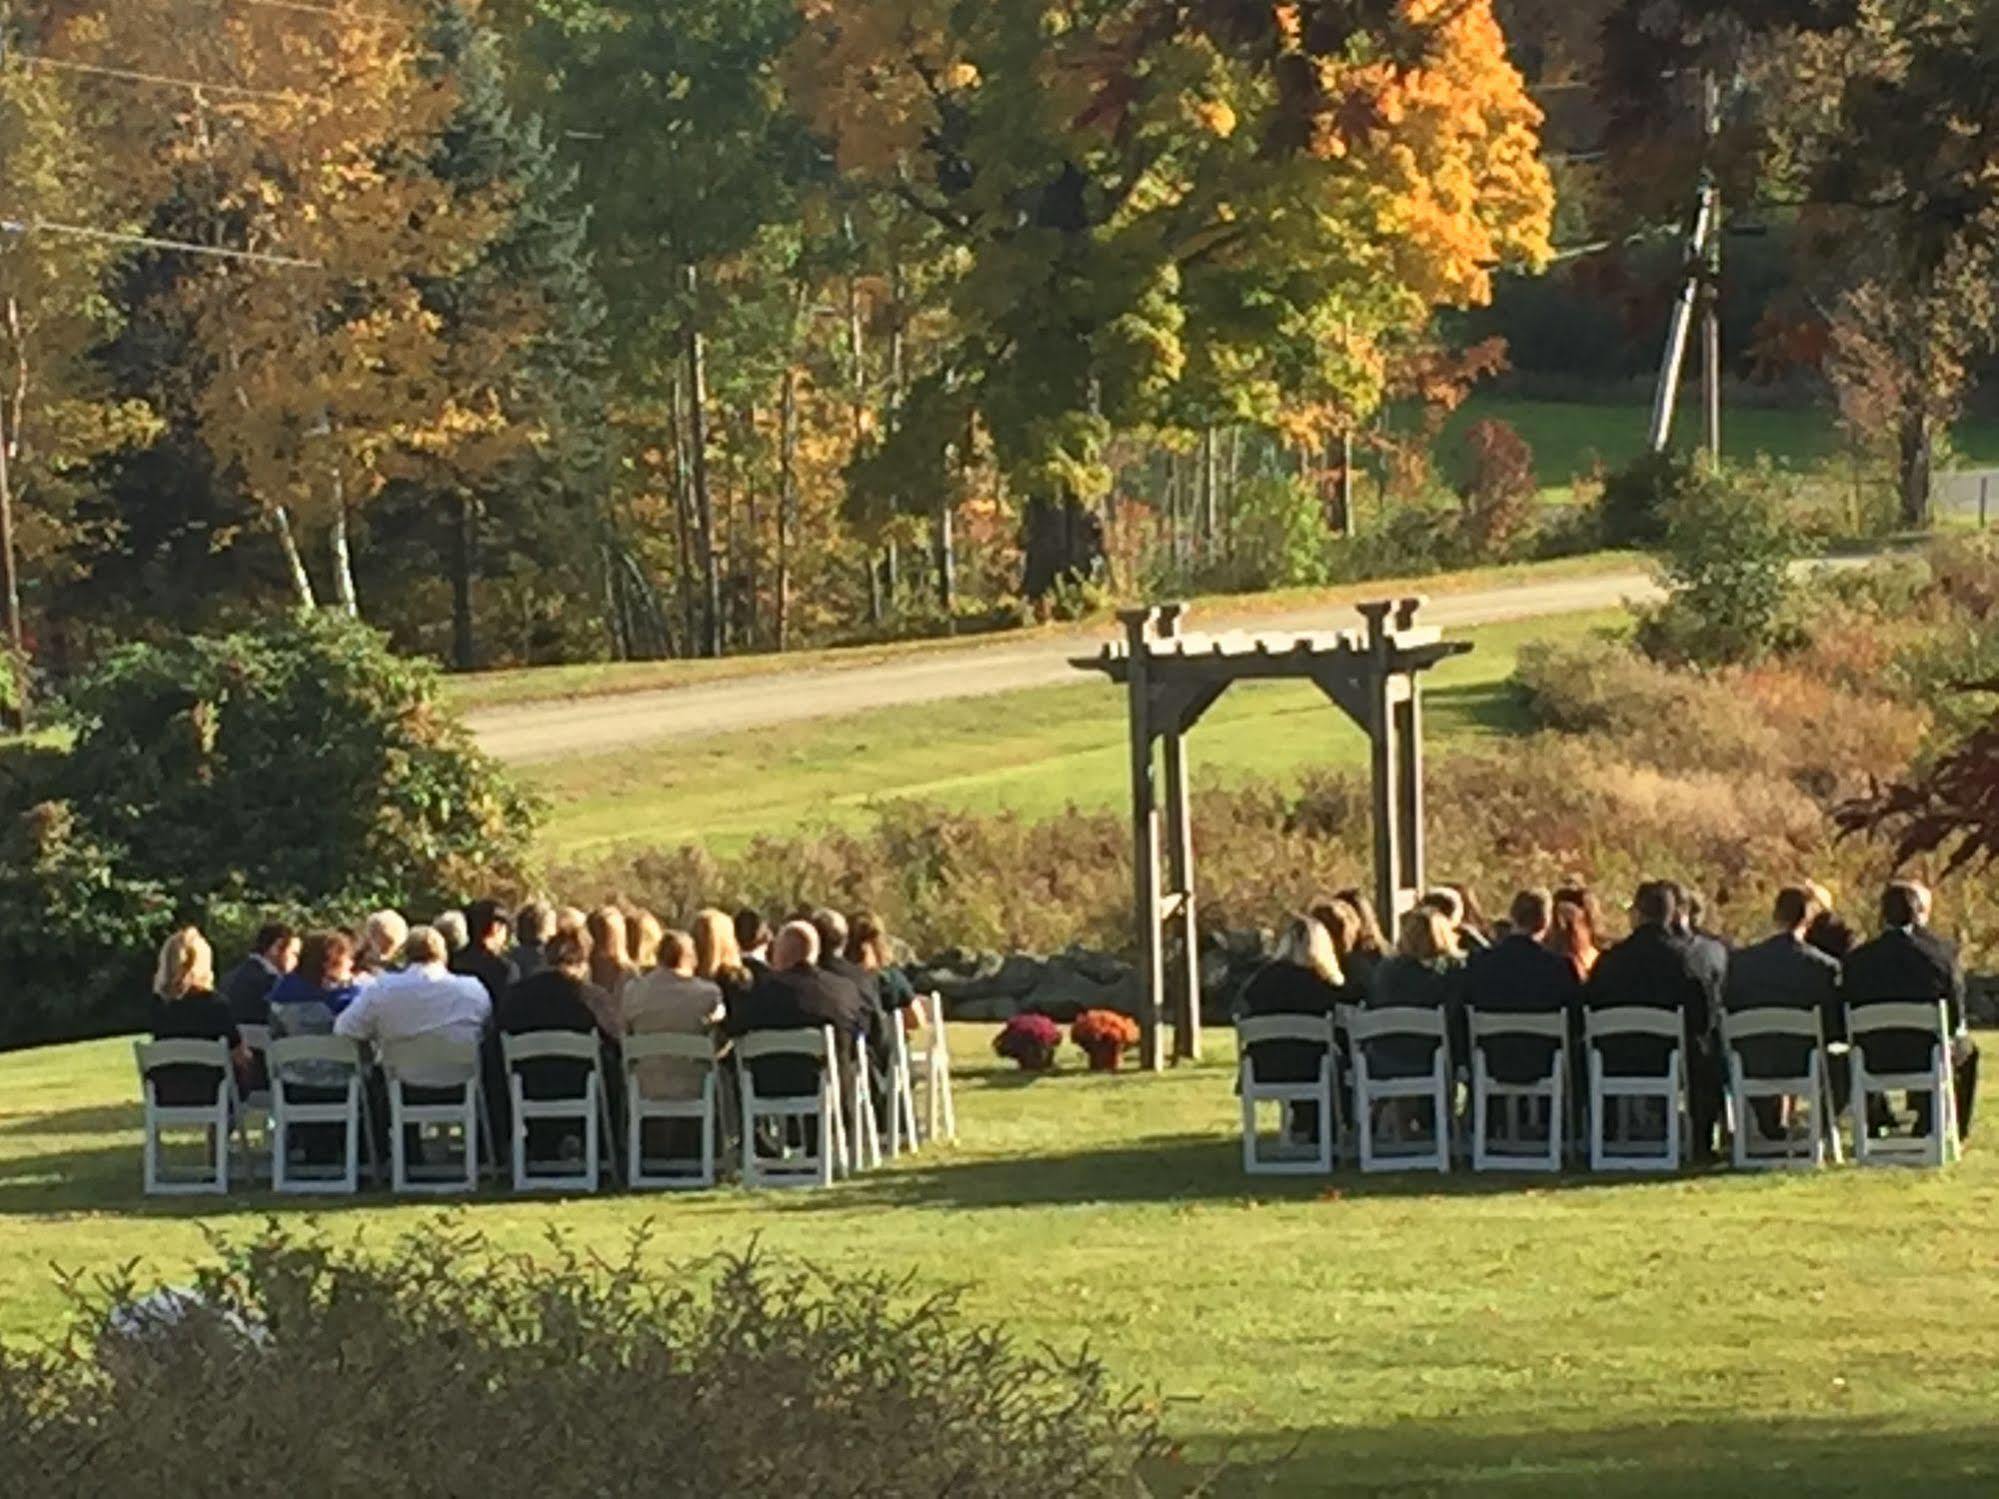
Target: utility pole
1699 291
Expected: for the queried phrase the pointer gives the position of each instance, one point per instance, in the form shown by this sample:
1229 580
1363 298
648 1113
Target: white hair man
422 999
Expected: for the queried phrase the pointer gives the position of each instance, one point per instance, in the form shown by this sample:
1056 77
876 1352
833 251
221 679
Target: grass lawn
1711 1335
1568 436
1033 752
503 689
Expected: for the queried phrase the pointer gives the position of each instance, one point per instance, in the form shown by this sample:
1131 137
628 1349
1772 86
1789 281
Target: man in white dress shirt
423 999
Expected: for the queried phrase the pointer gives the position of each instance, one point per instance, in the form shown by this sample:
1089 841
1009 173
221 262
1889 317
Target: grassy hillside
1033 752
1711 1335
1569 437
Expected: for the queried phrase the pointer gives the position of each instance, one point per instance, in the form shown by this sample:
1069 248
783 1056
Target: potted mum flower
1029 1040
1103 1036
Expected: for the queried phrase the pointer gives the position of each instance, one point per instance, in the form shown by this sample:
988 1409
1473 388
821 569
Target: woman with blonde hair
187 1008
1303 977
647 930
1426 973
610 961
717 957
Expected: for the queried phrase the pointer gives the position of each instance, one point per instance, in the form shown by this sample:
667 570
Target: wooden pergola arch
1172 677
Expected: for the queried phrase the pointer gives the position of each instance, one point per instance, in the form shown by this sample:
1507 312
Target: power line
133 75
154 242
301 8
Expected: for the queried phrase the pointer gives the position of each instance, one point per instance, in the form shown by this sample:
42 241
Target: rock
1981 999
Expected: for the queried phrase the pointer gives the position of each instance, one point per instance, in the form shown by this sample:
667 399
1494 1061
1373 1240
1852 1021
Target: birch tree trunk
697 439
343 558
281 522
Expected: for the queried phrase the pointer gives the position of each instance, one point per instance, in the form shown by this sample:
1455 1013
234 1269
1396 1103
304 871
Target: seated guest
381 947
1302 978
833 935
451 926
610 956
1783 972
187 1008
423 999
647 930
1522 976
246 988
482 956
1345 930
1828 933
310 998
534 924
753 939
1426 973
1572 933
1653 969
572 919
718 959
562 997
1370 947
1909 963
797 994
673 1000
1473 931
868 949
306 1002
1707 952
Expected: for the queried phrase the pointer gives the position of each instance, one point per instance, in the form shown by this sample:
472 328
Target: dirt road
584 726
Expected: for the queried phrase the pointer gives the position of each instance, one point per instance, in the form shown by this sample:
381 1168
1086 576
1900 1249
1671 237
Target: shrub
1727 563
297 763
444 1366
1279 535
1638 498
76 933
1030 1041
1499 488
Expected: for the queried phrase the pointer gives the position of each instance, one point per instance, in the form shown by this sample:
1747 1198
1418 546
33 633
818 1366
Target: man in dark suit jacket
796 994
1707 954
1655 969
1519 976
483 956
246 988
1910 963
833 932
1785 972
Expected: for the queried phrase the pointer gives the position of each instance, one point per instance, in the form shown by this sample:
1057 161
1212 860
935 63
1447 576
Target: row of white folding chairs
1614 1097
808 1140
463 1122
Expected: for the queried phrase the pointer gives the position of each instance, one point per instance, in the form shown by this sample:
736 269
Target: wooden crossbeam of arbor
1172 676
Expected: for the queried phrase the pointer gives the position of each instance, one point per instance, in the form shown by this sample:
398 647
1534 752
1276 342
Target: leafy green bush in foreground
446 1367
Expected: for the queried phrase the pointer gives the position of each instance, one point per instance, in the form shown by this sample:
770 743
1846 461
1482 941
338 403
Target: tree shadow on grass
1166 1169
1688 1455
97 1119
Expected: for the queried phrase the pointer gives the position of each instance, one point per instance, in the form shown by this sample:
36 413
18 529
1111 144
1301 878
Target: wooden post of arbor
1171 679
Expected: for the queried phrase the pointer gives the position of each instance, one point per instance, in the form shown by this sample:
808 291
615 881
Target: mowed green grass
1570 438
1033 752
1836 1333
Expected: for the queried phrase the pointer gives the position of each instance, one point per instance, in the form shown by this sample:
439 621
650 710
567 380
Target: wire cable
133 75
155 242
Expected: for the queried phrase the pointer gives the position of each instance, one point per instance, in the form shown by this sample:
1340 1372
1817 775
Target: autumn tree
55 414
309 145
1161 209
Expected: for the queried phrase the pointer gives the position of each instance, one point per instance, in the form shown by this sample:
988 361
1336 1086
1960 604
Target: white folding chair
1627 1091
1365 1025
211 1115
647 1172
903 1133
805 1164
1320 1091
1939 1144
253 1106
439 1064
1808 1094
931 1066
288 1113
586 1108
1512 1149
863 1135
